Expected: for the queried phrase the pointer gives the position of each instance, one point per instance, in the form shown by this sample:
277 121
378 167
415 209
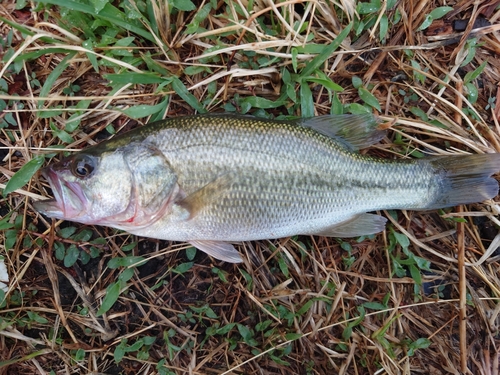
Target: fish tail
465 179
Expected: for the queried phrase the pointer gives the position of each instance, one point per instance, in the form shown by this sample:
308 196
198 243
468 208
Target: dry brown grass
49 322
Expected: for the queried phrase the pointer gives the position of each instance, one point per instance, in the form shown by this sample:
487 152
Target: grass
422 297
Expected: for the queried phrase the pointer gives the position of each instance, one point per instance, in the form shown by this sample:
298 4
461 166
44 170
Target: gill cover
154 180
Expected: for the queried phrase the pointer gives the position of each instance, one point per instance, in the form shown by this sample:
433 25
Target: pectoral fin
219 250
359 225
205 196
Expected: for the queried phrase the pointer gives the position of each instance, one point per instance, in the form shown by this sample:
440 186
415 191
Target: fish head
88 188
127 188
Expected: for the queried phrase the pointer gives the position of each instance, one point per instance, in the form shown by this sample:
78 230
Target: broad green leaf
415 274
419 112
422 263
183 267
134 78
290 92
192 70
10 239
421 343
185 5
326 53
357 109
262 326
427 22
191 252
384 27
326 82
310 48
87 44
67 232
36 318
49 113
135 346
225 329
305 307
126 262
419 76
357 82
294 53
189 98
99 4
148 340
369 98
74 120
59 250
245 333
23 175
112 294
143 110
367 8
200 16
126 275
473 92
79 355
120 351
470 76
374 306
293 336
61 134
259 102
71 256
306 100
4 222
440 12
402 239
337 107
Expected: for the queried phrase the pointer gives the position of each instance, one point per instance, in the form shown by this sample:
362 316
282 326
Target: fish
218 179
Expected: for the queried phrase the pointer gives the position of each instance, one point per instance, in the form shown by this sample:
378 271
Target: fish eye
83 166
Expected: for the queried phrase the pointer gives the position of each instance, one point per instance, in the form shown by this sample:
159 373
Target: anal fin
219 250
359 225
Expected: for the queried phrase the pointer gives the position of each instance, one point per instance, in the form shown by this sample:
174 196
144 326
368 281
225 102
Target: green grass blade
134 78
112 294
328 50
108 13
53 76
189 98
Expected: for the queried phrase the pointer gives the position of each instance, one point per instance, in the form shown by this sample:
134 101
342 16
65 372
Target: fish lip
67 195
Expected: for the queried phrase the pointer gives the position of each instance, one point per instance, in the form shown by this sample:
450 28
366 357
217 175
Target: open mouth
68 197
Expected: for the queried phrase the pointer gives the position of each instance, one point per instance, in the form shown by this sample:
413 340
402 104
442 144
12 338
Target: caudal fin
465 179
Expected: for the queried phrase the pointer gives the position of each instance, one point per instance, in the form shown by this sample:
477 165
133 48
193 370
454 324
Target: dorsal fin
355 131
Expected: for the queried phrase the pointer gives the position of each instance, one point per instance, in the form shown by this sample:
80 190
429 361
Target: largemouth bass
211 180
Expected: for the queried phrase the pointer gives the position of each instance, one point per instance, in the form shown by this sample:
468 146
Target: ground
421 297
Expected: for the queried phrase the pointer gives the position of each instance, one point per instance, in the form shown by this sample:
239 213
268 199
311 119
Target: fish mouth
69 199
